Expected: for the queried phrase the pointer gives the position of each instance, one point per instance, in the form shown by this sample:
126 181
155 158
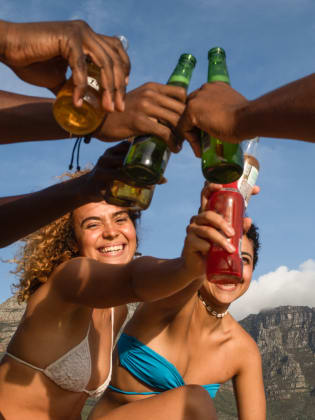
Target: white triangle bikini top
73 370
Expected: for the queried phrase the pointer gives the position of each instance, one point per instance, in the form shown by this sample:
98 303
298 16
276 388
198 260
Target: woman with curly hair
77 274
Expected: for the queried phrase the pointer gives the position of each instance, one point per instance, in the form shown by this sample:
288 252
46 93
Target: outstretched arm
92 283
40 53
152 108
21 215
27 118
287 112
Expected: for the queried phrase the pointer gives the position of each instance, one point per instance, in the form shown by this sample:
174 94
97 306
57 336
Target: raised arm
40 52
90 282
151 108
218 109
27 118
21 215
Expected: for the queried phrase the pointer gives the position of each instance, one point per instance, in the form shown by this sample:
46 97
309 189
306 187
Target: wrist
244 125
4 30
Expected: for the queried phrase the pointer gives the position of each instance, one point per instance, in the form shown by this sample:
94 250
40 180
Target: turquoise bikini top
151 368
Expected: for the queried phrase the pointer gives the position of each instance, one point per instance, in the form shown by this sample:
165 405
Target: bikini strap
23 362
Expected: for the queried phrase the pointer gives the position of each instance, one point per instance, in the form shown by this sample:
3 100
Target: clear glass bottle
222 162
148 155
249 177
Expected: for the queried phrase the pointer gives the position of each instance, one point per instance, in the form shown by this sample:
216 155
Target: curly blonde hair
47 248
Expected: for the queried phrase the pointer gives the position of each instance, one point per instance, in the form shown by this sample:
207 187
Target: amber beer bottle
249 177
148 155
85 119
222 162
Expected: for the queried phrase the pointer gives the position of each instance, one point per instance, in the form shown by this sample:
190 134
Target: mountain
286 339
10 315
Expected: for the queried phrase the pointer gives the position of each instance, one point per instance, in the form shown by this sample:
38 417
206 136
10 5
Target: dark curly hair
253 235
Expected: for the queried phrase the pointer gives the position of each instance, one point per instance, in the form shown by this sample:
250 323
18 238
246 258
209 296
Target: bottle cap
123 40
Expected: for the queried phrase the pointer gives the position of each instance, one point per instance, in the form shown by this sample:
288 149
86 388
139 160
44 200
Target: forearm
22 215
85 281
287 112
3 37
27 118
154 279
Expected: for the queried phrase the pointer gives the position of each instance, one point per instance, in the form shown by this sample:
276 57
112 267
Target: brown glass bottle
85 119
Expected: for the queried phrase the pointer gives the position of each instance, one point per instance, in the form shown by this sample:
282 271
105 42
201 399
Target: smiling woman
188 338
77 274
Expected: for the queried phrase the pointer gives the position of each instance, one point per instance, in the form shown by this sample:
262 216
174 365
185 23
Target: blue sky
268 43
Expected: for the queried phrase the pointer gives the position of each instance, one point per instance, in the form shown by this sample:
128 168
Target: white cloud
278 288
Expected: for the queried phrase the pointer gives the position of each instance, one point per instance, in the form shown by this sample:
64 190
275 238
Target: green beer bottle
126 195
148 155
222 162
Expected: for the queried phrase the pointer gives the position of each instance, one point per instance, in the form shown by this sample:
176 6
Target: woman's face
105 233
225 294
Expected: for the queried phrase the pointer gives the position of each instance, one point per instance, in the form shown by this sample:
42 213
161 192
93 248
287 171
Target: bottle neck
231 186
217 70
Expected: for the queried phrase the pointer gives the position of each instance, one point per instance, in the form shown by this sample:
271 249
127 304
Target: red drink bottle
222 266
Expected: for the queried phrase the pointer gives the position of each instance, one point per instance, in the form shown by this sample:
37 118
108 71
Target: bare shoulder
244 343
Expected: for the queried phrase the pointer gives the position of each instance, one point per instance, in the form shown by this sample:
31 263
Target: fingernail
230 231
230 247
80 102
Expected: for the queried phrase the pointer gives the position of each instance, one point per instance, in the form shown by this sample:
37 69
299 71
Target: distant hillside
286 339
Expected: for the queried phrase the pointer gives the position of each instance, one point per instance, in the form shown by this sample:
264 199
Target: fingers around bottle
117 45
195 242
175 92
120 68
247 222
77 63
215 220
119 149
211 235
208 189
155 100
193 139
256 190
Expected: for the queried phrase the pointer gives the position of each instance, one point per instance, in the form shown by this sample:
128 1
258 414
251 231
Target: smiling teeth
112 248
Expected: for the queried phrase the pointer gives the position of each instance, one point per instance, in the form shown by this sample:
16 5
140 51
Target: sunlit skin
105 233
220 296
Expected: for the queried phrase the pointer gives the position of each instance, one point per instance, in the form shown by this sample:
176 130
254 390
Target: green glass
124 195
148 155
222 162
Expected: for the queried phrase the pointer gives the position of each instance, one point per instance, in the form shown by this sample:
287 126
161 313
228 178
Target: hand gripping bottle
222 266
148 155
222 162
87 118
